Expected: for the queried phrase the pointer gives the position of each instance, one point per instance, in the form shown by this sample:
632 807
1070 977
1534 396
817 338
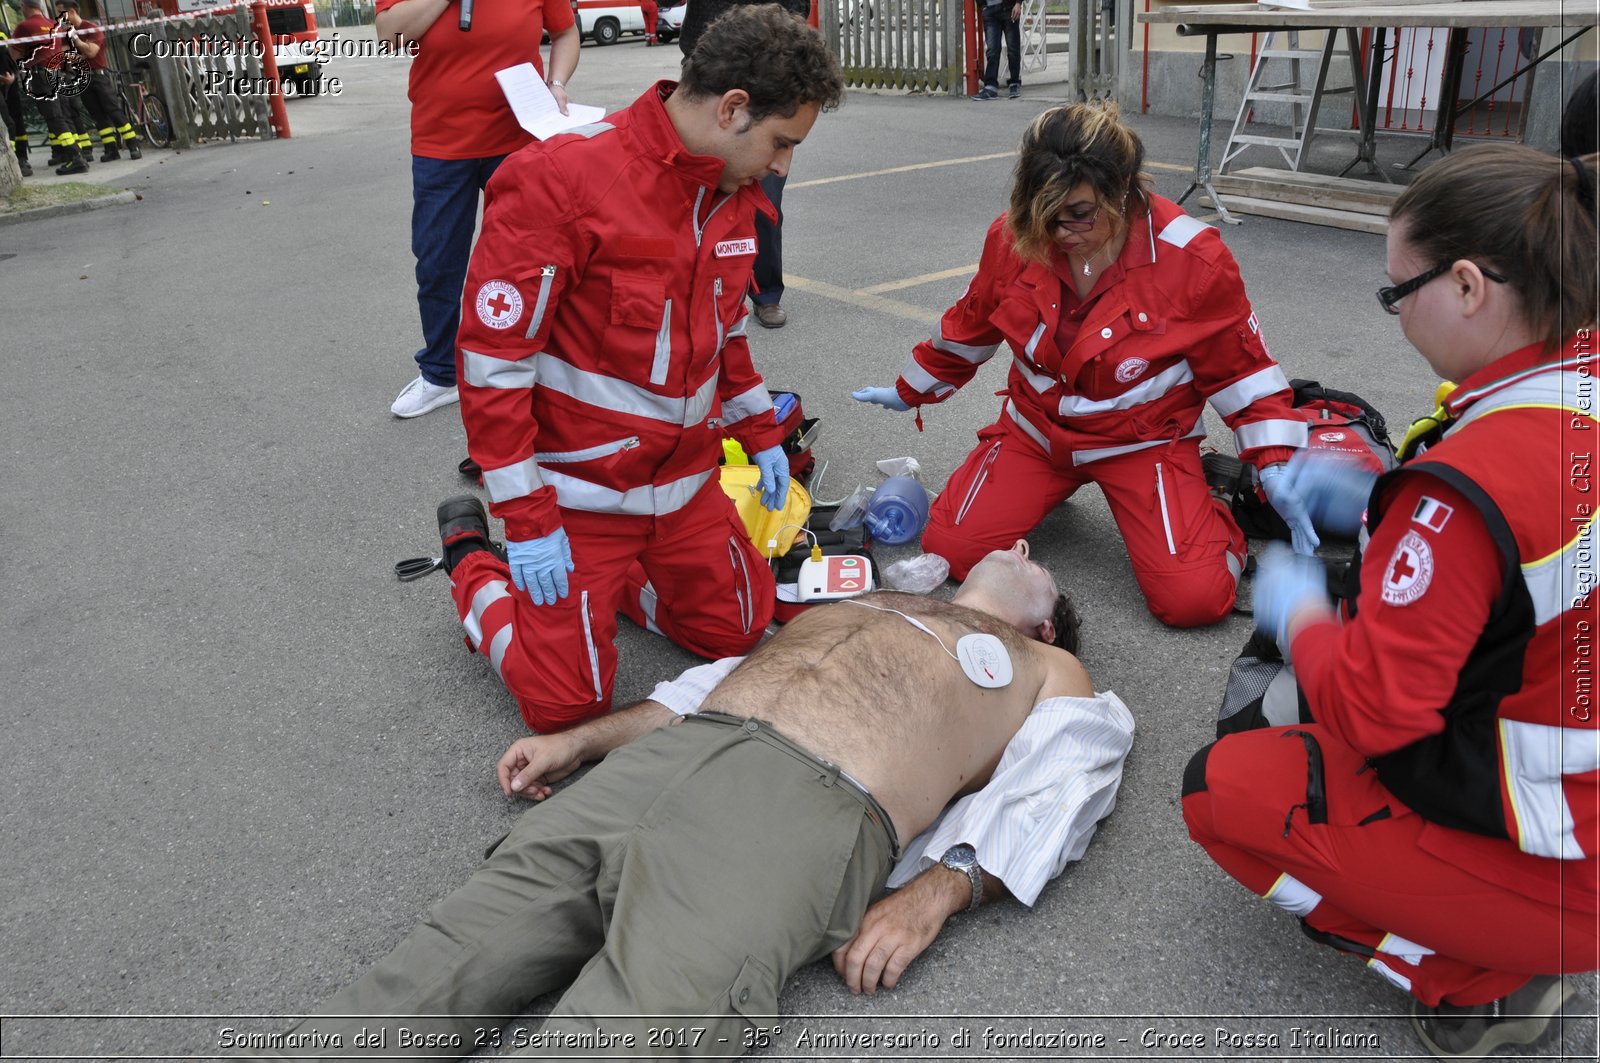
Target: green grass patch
31 196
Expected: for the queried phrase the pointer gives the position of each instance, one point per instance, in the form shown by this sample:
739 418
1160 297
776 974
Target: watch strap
964 858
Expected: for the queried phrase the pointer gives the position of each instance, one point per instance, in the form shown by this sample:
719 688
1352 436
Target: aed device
826 579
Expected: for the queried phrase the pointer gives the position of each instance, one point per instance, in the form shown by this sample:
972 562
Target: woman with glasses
1441 816
1123 316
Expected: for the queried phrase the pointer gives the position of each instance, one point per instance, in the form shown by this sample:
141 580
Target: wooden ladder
1300 93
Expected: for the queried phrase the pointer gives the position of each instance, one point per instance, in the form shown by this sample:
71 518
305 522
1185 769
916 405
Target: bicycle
146 110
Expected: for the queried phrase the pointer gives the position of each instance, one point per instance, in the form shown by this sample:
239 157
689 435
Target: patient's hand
530 767
897 929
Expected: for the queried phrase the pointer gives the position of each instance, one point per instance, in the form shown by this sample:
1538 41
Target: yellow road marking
866 300
926 278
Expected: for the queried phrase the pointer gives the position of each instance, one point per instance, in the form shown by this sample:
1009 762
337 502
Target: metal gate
896 44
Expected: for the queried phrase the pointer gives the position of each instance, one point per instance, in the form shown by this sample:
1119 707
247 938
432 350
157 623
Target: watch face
960 856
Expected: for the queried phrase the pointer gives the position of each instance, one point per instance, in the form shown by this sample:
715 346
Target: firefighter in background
1465 865
11 89
603 360
41 66
1124 317
100 93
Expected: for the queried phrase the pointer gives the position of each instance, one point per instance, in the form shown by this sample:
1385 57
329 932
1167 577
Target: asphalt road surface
241 760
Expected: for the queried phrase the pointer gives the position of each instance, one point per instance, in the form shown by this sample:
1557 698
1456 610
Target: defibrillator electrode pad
983 657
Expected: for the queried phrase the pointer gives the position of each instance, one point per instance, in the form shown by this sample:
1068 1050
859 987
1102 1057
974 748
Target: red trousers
693 576
1359 880
1186 550
651 14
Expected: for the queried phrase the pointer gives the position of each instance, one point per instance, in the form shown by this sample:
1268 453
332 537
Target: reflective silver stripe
592 130
1145 391
642 501
486 371
1558 582
1020 419
1270 434
744 598
924 382
1568 390
486 596
738 330
1536 757
1235 566
746 404
1084 457
1166 521
497 650
588 640
1293 896
658 368
1409 951
647 606
699 405
546 279
1180 230
1033 341
1036 380
1566 368
602 450
966 352
609 392
513 481
1241 393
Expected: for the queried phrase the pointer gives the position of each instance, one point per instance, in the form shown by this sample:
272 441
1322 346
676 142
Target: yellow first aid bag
742 485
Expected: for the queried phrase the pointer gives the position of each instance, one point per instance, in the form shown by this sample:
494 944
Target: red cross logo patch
499 304
1410 570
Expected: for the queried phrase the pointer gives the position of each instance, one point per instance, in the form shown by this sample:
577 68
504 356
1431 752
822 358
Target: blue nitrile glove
1291 507
540 566
774 466
1284 582
1334 489
888 398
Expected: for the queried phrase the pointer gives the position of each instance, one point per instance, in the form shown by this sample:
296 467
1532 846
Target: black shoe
988 92
22 164
72 166
463 529
1016 92
1520 1017
133 150
111 154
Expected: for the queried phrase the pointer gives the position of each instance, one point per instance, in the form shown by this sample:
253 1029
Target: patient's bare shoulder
1064 674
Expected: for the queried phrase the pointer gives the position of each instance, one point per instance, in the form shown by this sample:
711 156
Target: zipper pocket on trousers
588 641
978 481
546 279
1166 520
603 450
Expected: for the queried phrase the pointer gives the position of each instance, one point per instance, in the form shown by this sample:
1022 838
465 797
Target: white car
605 21
670 23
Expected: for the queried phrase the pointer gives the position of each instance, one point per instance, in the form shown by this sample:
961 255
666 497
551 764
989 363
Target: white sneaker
420 397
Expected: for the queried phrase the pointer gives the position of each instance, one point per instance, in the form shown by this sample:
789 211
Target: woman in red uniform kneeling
1441 816
1124 317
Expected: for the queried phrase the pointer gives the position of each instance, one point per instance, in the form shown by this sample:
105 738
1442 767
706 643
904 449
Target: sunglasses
1388 297
1079 221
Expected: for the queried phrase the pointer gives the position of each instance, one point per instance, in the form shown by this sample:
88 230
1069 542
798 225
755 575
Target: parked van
605 21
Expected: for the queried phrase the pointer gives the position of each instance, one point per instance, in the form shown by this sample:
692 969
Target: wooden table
1215 20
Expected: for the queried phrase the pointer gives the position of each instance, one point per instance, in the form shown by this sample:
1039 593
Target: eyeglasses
1388 297
1077 220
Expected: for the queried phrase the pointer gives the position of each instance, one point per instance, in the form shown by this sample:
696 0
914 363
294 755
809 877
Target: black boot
24 166
75 164
463 529
133 150
110 154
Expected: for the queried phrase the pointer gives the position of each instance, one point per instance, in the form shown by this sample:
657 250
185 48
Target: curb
56 210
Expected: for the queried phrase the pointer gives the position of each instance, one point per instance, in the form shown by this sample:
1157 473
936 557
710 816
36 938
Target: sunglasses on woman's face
1077 219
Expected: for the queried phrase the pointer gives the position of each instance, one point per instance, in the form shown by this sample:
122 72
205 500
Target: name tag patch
730 248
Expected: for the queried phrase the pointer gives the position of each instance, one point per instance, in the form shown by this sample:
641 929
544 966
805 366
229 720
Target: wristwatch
964 858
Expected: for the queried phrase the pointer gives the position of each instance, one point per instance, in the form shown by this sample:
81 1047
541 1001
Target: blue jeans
997 20
444 211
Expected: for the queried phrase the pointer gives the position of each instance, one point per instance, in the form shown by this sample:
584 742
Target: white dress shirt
1055 781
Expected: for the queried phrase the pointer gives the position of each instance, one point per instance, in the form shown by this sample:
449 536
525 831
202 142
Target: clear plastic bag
922 574
899 467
